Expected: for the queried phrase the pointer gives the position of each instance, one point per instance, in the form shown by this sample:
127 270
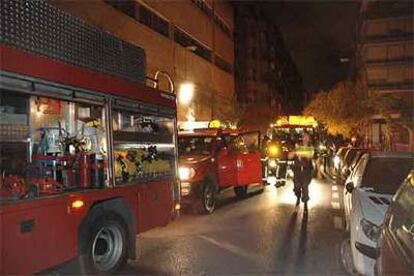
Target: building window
125 6
408 50
207 10
223 65
396 74
253 52
152 20
187 41
376 28
395 52
376 53
222 26
377 73
396 26
409 73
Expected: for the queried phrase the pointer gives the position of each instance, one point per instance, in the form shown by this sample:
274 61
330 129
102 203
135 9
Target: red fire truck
214 159
87 151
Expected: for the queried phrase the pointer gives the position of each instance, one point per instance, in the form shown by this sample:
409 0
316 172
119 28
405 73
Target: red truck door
248 159
226 166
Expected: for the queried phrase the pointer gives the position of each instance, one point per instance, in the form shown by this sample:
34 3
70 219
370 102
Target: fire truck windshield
289 135
195 145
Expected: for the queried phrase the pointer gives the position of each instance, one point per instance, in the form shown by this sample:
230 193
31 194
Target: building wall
387 55
156 32
265 71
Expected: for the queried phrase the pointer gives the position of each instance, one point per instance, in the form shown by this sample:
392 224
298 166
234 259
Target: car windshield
384 175
350 156
195 145
356 159
341 152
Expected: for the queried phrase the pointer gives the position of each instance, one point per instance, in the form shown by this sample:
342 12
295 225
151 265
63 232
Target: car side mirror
349 187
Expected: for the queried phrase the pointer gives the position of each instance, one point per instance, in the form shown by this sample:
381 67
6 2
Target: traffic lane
260 234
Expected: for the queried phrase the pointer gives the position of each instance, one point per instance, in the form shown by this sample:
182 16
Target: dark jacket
302 170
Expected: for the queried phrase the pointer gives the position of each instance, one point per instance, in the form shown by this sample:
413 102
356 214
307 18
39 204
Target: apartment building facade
265 71
387 54
190 40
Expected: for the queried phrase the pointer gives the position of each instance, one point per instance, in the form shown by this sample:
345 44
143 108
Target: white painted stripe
335 195
336 205
338 222
230 247
334 188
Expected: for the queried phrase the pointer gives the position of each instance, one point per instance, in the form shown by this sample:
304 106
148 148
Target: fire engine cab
214 159
282 136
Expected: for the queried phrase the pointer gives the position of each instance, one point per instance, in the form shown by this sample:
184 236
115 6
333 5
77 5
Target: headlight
336 161
370 230
272 163
186 173
273 150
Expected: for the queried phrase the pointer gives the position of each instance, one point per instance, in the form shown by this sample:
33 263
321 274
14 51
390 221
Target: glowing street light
185 94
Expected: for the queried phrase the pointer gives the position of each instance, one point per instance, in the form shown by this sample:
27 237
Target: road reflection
286 195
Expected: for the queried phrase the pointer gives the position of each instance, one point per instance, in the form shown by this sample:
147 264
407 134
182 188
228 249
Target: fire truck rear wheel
107 246
240 191
208 199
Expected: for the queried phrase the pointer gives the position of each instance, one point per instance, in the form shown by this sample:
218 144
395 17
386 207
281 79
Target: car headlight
272 163
186 173
370 230
336 161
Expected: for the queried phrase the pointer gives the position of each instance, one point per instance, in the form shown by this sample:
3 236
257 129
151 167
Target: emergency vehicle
87 150
212 160
283 135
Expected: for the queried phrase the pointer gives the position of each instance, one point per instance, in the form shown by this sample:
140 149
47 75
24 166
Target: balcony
389 37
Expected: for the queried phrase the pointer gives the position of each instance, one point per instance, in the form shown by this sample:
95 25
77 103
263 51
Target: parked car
368 193
396 242
351 158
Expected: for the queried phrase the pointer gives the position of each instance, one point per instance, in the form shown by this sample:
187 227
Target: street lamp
185 93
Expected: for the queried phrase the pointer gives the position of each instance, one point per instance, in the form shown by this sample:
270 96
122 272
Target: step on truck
87 150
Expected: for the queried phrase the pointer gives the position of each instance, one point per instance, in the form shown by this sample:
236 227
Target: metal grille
41 28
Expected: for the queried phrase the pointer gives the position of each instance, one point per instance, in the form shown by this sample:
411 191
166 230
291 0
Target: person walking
302 170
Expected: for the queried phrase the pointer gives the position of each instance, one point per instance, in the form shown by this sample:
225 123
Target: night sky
317 34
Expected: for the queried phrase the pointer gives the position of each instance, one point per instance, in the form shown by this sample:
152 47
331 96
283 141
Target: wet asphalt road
262 234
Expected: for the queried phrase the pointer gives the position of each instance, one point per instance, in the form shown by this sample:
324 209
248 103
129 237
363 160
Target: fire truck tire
106 250
240 191
208 199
